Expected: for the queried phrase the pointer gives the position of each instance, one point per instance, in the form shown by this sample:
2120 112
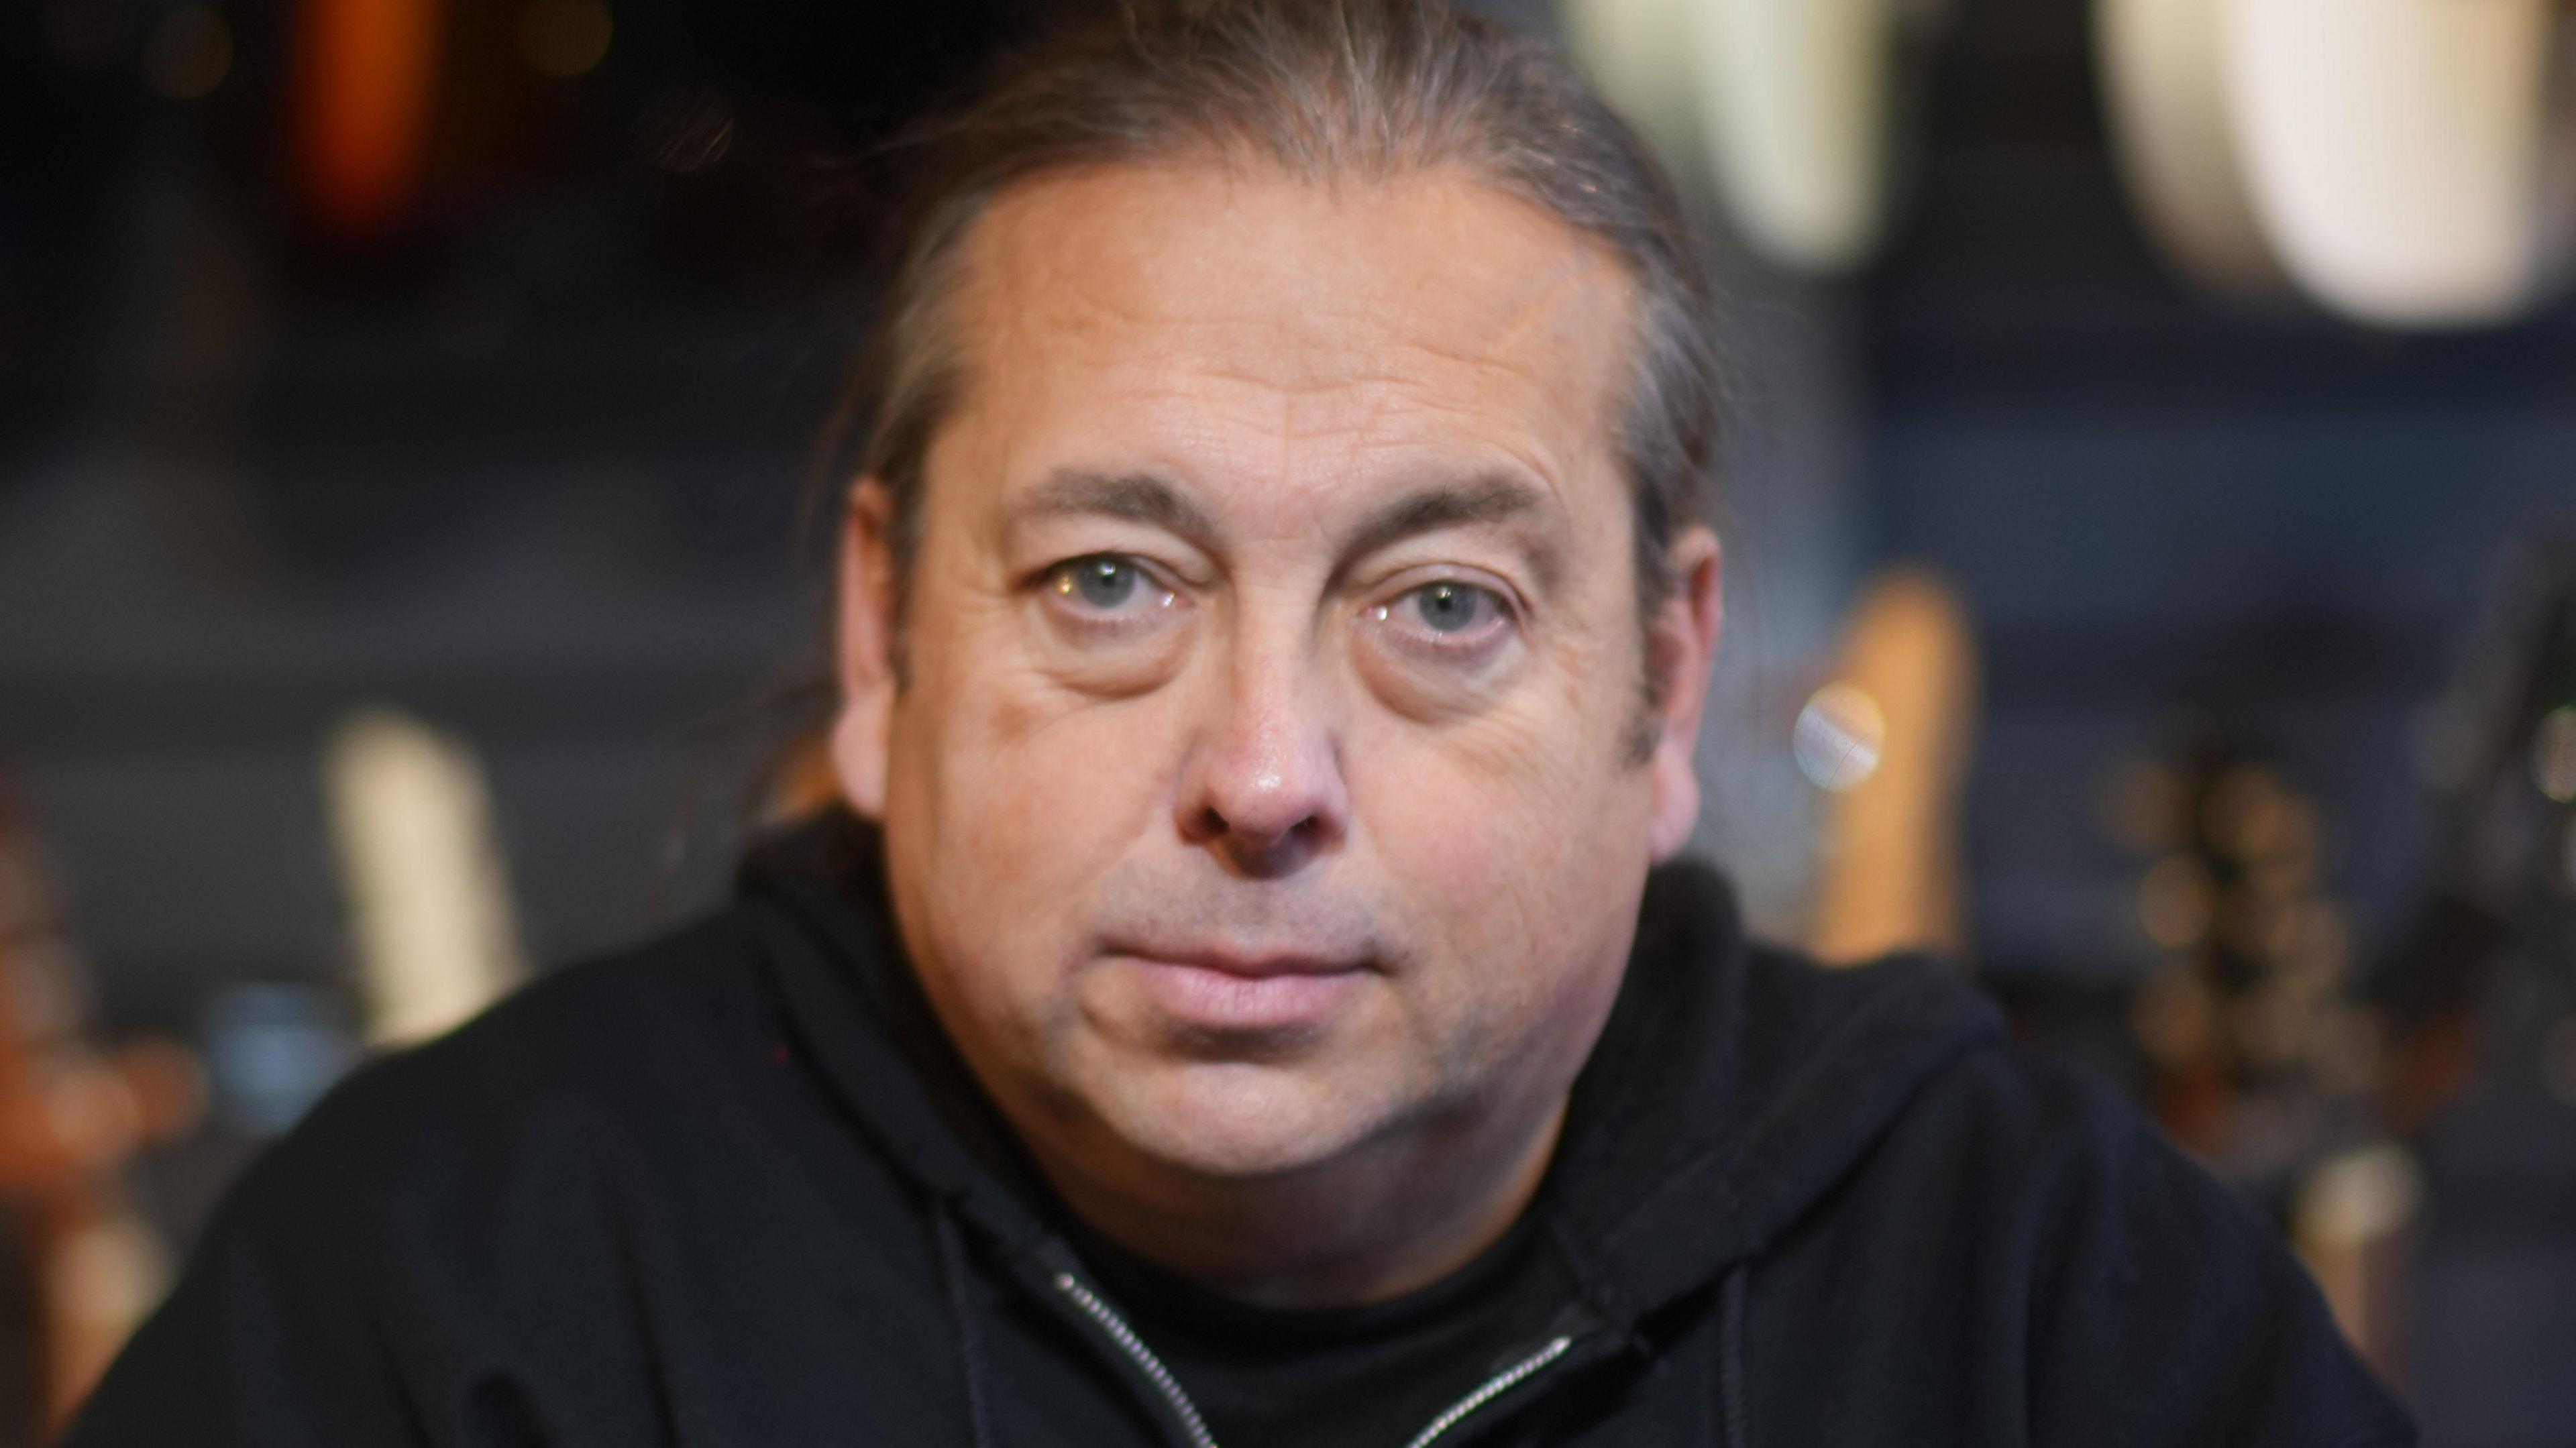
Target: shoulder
2046 1143
581 1031
501 1198
2137 1277
2016 1100
543 1087
2097 1280
2044 1150
2005 1115
1986 1159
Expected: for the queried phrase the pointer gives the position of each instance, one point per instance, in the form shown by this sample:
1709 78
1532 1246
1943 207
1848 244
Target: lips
1244 992
1249 965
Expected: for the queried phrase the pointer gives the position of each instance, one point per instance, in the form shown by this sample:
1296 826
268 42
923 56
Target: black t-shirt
1370 1377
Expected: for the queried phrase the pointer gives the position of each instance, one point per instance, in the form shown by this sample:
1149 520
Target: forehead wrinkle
1010 252
1573 298
1356 348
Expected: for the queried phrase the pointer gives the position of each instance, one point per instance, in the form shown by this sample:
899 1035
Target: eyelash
1062 579
1467 646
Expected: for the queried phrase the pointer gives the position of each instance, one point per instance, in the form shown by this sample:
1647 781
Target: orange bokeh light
367 71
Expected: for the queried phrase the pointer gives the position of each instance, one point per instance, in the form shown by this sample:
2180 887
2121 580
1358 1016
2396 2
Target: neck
1381 1221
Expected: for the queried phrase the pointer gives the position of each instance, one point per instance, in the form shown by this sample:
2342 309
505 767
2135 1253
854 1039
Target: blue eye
1451 607
1102 582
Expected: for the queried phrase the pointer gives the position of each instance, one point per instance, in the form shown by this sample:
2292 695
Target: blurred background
2150 514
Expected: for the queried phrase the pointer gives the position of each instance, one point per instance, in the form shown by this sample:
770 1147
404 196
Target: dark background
529 463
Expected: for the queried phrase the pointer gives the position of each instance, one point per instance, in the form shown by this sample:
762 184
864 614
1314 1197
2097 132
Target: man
1241 1002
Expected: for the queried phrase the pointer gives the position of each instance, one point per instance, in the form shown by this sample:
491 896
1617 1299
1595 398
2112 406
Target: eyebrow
1136 498
1486 498
1482 499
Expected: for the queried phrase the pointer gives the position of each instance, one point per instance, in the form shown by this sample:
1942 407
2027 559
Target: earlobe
1676 811
859 740
1684 649
862 733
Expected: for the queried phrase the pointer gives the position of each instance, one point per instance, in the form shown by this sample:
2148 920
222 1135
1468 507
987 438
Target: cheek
1005 791
1541 774
1514 839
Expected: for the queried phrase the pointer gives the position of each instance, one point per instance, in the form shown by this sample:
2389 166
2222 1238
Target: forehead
1239 323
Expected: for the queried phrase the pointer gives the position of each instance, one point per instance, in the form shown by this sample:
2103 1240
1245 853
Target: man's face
1261 784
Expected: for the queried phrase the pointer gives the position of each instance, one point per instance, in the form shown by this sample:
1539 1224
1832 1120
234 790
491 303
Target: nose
1263 789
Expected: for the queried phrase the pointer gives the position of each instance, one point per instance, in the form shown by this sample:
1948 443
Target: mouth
1223 992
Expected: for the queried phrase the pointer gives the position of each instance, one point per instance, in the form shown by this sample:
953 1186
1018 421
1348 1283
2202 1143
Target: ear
1681 648
864 649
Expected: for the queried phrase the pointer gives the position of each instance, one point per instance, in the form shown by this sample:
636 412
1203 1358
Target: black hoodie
732 1190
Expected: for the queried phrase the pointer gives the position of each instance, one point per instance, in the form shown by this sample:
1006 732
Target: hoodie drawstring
1730 1358
970 1348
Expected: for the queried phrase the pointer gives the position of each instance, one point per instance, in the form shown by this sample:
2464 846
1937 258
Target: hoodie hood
734 1188
1731 1088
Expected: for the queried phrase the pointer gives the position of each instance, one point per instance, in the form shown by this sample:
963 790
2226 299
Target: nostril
1264 787
1203 826
1251 847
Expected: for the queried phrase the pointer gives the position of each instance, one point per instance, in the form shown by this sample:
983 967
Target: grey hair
1368 89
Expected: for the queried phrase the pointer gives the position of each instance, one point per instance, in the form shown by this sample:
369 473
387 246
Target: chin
1241 1121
